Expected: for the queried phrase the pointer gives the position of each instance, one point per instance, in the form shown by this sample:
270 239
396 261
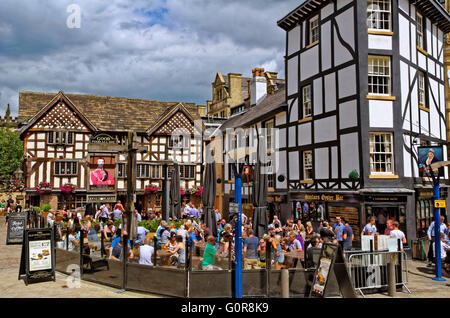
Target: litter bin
418 250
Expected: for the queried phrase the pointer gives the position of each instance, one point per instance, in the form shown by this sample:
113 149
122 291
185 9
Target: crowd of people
289 243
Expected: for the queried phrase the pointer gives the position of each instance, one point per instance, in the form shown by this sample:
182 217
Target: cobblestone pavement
420 282
11 287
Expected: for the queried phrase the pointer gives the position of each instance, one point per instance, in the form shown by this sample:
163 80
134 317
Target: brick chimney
258 86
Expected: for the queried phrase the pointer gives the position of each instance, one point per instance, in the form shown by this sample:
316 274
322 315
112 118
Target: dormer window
60 138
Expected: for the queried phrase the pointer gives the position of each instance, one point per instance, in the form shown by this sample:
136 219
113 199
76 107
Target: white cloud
158 49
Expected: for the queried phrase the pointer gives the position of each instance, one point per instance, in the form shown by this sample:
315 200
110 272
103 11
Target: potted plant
46 210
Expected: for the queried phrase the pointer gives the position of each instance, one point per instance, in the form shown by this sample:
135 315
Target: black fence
186 281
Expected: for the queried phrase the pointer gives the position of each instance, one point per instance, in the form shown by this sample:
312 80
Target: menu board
16 227
349 213
37 263
40 255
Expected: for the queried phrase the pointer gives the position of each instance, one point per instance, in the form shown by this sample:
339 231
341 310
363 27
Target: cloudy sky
152 49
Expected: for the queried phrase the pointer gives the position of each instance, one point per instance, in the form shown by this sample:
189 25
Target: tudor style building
365 88
61 136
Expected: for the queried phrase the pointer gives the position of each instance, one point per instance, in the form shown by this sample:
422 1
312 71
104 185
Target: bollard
391 276
284 283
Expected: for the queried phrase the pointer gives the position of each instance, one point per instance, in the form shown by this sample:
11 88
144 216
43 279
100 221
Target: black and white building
365 88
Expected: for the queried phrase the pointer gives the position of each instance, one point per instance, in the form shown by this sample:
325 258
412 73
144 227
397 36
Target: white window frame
307 101
377 76
314 30
269 125
374 153
180 142
307 165
191 171
59 163
420 31
61 137
122 170
421 89
376 10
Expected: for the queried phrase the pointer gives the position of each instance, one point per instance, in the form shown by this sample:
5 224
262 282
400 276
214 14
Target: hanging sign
17 223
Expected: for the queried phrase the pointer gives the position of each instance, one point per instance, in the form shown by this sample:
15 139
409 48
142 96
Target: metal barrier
369 270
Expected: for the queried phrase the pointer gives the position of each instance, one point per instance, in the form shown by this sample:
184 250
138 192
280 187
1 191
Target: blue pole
238 239
437 233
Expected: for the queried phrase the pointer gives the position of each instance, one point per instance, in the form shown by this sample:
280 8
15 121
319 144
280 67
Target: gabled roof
110 114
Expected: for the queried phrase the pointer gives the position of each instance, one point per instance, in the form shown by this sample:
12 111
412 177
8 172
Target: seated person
209 256
141 233
178 254
145 252
109 231
117 251
197 239
116 241
73 242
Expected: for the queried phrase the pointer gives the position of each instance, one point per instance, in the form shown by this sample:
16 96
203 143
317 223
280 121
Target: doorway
384 213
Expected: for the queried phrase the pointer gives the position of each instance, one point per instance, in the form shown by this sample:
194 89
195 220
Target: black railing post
155 247
125 260
268 267
102 244
186 269
81 251
67 239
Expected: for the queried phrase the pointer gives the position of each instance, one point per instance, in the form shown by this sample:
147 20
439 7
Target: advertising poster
40 255
322 275
428 156
102 170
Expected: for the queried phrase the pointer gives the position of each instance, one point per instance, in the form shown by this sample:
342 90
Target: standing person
206 231
381 220
117 213
104 214
370 228
9 202
278 252
251 245
194 212
389 227
398 234
430 237
119 206
347 236
327 232
338 227
305 210
186 210
218 216
262 251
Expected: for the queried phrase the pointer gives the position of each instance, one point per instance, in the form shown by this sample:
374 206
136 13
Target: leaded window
379 15
381 153
308 165
379 75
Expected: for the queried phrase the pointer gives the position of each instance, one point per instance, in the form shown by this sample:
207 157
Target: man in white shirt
186 210
145 253
430 237
398 234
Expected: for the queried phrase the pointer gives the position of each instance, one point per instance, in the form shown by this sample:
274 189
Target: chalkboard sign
17 223
37 263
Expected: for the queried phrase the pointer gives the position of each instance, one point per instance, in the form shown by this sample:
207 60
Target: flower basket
199 191
17 186
151 189
44 188
68 188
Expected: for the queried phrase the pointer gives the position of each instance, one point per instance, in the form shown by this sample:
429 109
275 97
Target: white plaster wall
429 46
309 63
334 163
330 92
414 101
282 170
304 134
381 114
348 115
424 123
407 157
327 10
341 54
342 3
325 129
413 42
422 62
404 83
321 163
345 22
292 138
325 42
293 166
317 96
280 119
434 109
404 37
347 81
282 138
404 5
293 115
294 40
349 154
431 67
293 76
380 42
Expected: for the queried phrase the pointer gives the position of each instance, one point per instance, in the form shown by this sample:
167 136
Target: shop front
425 209
318 206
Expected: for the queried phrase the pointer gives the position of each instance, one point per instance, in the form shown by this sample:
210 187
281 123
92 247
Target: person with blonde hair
278 251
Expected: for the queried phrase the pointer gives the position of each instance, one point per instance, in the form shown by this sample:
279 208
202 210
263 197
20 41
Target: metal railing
369 270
